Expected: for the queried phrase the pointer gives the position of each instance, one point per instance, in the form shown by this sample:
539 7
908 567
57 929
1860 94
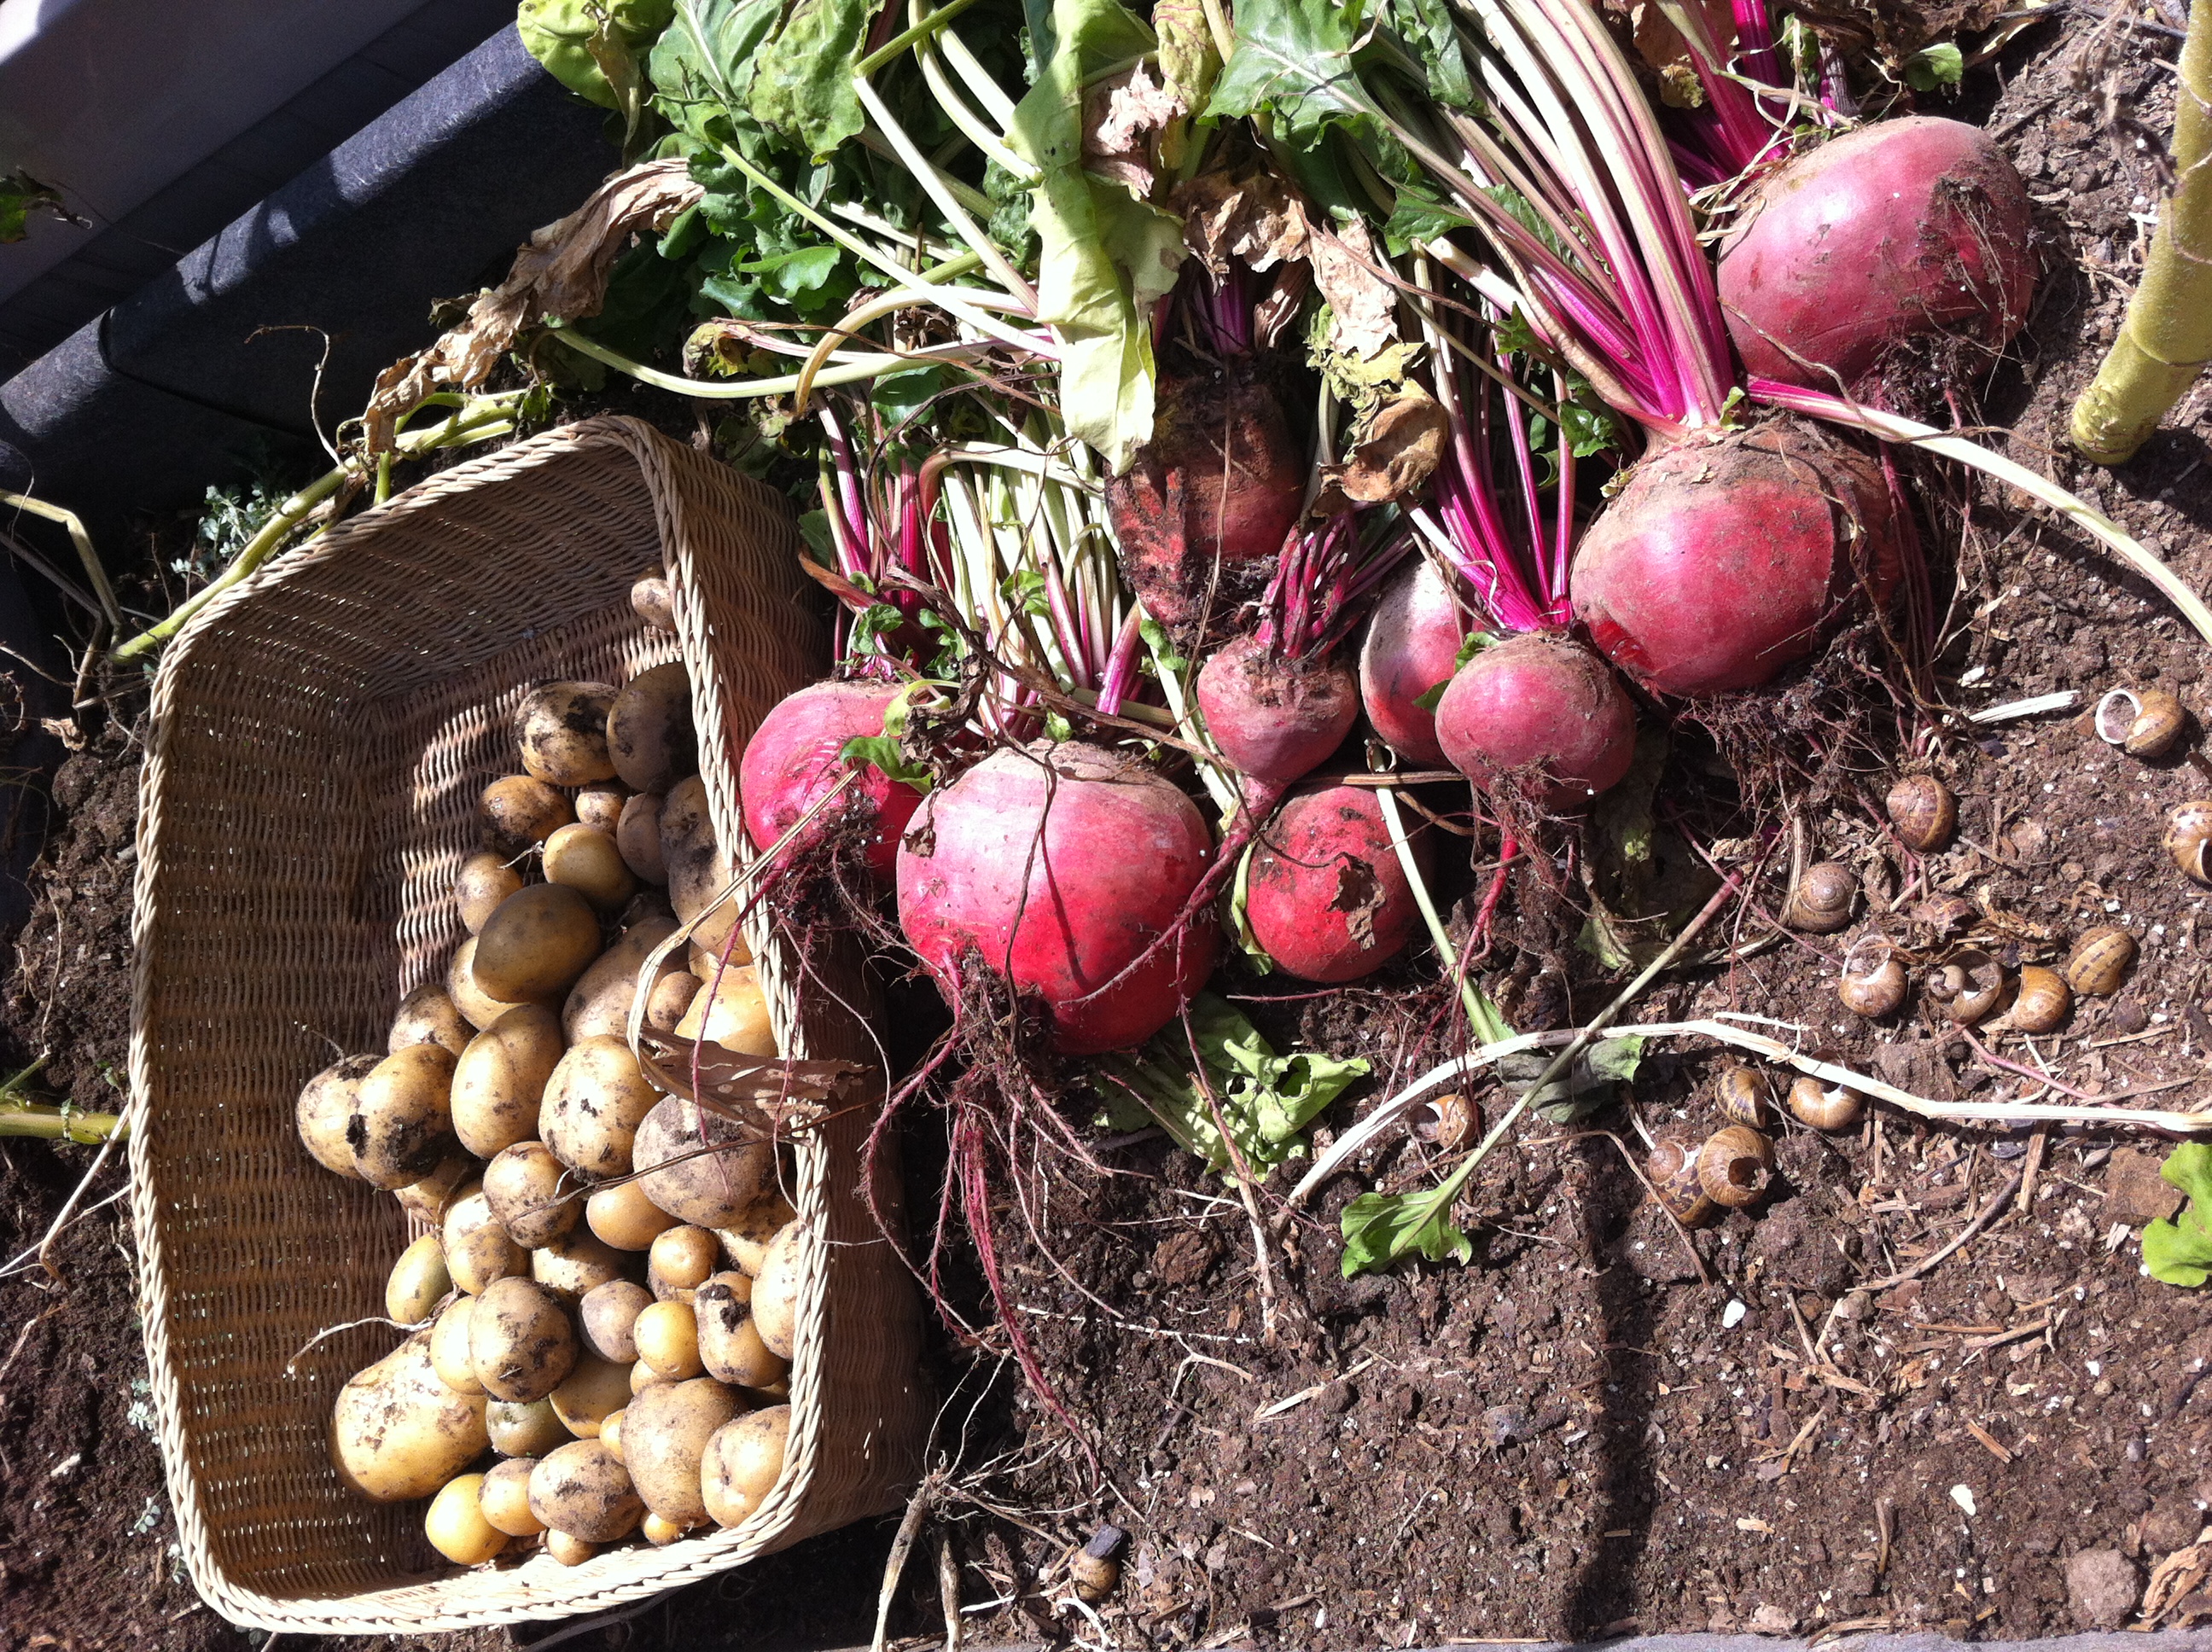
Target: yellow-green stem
94 569
61 1124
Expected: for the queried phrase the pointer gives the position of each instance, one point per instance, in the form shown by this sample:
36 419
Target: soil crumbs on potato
1572 1435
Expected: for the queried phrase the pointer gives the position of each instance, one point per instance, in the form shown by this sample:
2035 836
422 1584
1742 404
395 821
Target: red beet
1222 474
1543 711
1056 866
1327 896
1277 719
1722 560
793 760
1898 230
1412 647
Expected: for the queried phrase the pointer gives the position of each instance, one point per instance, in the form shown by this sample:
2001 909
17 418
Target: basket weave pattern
318 738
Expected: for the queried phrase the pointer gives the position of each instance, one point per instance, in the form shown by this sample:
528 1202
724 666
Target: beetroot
1721 560
1898 230
793 760
1057 866
1327 897
1412 648
1543 712
1276 718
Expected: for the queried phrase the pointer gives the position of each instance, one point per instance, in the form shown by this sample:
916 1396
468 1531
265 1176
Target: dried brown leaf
1398 448
1124 118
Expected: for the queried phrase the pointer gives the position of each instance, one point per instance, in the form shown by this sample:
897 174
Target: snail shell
2188 829
1872 983
1448 1121
1969 987
1826 1106
2142 722
1735 1166
1743 1097
2100 961
1095 1575
1947 915
1672 1171
2041 1002
1924 812
1822 904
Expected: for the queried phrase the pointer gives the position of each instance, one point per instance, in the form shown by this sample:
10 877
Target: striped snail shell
1735 1166
2041 1002
1970 987
1923 813
1672 1171
1873 984
1743 1097
2100 961
2188 829
1826 1106
2142 722
1822 904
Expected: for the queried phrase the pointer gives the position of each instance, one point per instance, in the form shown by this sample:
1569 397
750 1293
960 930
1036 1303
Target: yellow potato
397 1432
680 1260
660 1532
599 805
478 1007
402 1122
486 879
663 1437
607 1315
533 1195
562 731
524 1428
504 1496
583 1490
594 1102
418 1282
643 1377
667 1338
449 1349
622 1216
652 600
533 948
730 1347
521 1342
710 966
501 1079
776 1291
325 1103
611 1428
478 1249
637 835
708 1190
742 1463
427 1016
434 1195
569 1551
590 1394
585 859
672 996
745 1242
649 731
731 1011
456 1526
574 1266
698 871
520 810
598 1005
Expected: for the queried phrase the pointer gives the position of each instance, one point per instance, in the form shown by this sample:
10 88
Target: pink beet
1327 897
1056 866
1276 718
1412 647
1722 560
1542 711
792 761
1898 230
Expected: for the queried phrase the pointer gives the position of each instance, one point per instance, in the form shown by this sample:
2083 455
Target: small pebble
1964 1496
1732 1316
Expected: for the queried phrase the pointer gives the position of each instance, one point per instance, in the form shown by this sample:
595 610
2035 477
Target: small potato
650 599
521 1341
449 1349
672 996
649 731
533 948
664 1435
525 1428
745 1242
643 1377
607 1315
668 1341
402 1122
743 1462
486 879
478 1007
584 859
590 1393
528 1190
708 1190
698 870
418 1282
680 1260
562 731
428 1015
325 1105
583 1490
637 835
501 1079
520 810
598 1005
659 1531
731 1011
434 1195
574 1266
611 1428
397 1432
478 1249
599 805
730 1347
624 1217
569 1551
504 1496
776 1291
594 1102
456 1526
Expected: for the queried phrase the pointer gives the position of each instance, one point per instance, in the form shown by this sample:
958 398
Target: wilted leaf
1189 59
1396 448
577 40
1379 1229
1124 117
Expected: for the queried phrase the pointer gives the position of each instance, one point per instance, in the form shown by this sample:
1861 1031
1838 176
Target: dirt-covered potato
731 1011
501 1079
593 1104
590 1393
606 1315
478 1249
650 600
528 1190
486 879
504 1496
456 1526
533 948
402 1121
520 810
776 1290
584 859
562 731
745 1241
569 1551
649 733
575 1265
672 996
418 1282
668 1339
430 1198
397 1432
679 1262
449 1348
623 1216
743 1462
583 1490
599 805
698 871
730 1347
524 1428
521 1341
637 835
708 1190
428 1015
478 1007
664 1435
325 1105
598 1005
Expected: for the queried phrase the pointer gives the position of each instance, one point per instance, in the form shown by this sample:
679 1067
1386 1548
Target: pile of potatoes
601 1352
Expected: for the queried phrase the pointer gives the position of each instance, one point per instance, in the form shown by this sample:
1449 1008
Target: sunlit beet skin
1412 646
1327 897
1540 710
1056 866
1276 718
792 761
1900 228
1722 560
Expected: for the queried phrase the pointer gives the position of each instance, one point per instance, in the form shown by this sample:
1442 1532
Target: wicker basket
318 738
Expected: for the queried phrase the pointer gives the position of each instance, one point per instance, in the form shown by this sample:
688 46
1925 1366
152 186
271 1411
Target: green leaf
2179 1251
1941 64
900 397
802 83
1587 1086
706 55
881 751
1379 1229
1188 60
1024 589
1420 216
1294 61
561 34
20 195
1427 29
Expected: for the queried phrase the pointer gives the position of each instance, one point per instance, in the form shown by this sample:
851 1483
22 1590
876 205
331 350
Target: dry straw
319 735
